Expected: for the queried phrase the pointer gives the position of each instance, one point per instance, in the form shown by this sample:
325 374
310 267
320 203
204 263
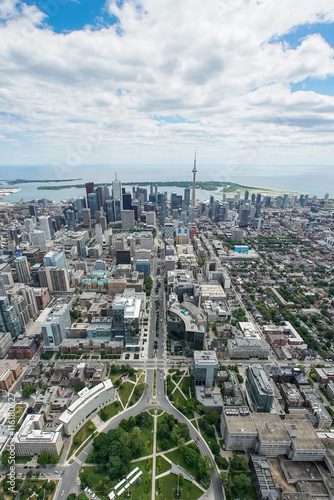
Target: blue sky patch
71 15
294 37
320 86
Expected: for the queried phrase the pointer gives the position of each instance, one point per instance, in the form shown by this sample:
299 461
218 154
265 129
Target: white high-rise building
99 234
108 236
38 240
54 323
150 219
45 226
29 225
117 190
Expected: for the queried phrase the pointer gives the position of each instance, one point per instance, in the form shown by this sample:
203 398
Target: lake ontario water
310 179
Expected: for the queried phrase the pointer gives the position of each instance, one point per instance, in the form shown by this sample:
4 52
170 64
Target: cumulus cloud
219 65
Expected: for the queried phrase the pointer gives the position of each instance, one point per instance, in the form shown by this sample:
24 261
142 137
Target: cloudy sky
117 81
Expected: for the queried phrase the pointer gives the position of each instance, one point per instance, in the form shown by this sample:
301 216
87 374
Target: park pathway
177 385
154 456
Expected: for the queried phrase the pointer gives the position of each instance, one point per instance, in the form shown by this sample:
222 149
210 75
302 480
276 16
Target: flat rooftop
240 425
271 428
307 438
205 357
214 400
297 470
29 434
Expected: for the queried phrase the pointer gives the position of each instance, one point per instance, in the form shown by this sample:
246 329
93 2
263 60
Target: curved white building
89 400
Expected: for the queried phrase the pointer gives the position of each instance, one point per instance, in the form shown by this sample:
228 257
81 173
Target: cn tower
193 202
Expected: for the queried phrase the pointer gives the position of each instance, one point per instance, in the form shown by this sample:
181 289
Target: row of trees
148 283
44 458
123 370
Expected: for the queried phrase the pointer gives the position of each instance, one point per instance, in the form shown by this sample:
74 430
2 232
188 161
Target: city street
153 362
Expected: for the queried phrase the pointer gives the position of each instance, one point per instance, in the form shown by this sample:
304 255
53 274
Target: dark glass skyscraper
70 215
110 211
127 201
32 210
9 321
103 194
186 200
81 203
92 204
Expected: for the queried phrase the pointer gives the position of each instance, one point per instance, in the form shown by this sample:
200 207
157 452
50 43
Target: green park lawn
185 386
209 439
91 437
155 412
147 436
162 465
83 434
176 456
95 479
22 460
169 484
137 490
111 410
124 392
178 398
134 399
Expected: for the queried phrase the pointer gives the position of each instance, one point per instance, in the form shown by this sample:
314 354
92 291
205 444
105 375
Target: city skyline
146 82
